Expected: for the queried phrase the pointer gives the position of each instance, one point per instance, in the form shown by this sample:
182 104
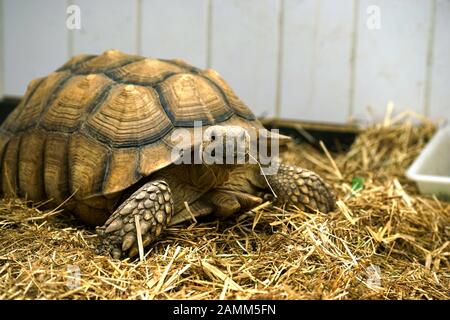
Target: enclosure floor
382 242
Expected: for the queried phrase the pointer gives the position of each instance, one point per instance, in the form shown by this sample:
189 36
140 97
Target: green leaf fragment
357 184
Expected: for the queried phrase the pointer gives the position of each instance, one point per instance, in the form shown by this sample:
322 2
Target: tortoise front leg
301 188
152 204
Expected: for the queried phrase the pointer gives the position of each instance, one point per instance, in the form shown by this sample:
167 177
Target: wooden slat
106 24
35 38
391 61
244 49
439 107
175 29
316 60
309 125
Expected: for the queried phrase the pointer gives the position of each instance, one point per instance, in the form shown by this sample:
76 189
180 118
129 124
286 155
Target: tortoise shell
99 124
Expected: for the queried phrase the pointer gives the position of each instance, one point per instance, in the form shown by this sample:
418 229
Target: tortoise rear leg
301 188
152 204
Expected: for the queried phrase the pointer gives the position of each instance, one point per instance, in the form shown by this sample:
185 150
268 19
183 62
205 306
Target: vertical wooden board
244 50
175 29
391 61
317 39
440 73
106 24
35 41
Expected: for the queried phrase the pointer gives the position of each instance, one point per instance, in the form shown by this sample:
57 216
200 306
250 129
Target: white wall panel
175 29
35 41
316 60
244 49
300 59
391 61
440 74
106 24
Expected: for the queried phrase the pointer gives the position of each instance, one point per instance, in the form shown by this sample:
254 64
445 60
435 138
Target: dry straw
383 242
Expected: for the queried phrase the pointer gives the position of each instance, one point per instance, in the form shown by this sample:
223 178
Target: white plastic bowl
431 169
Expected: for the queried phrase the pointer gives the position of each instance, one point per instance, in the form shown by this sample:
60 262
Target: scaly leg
152 204
302 188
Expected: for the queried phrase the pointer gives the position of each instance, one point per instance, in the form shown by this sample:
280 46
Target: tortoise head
226 144
231 144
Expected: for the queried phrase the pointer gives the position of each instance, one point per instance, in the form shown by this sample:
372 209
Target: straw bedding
384 241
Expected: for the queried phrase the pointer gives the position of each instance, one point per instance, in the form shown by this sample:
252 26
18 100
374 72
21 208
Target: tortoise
95 137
